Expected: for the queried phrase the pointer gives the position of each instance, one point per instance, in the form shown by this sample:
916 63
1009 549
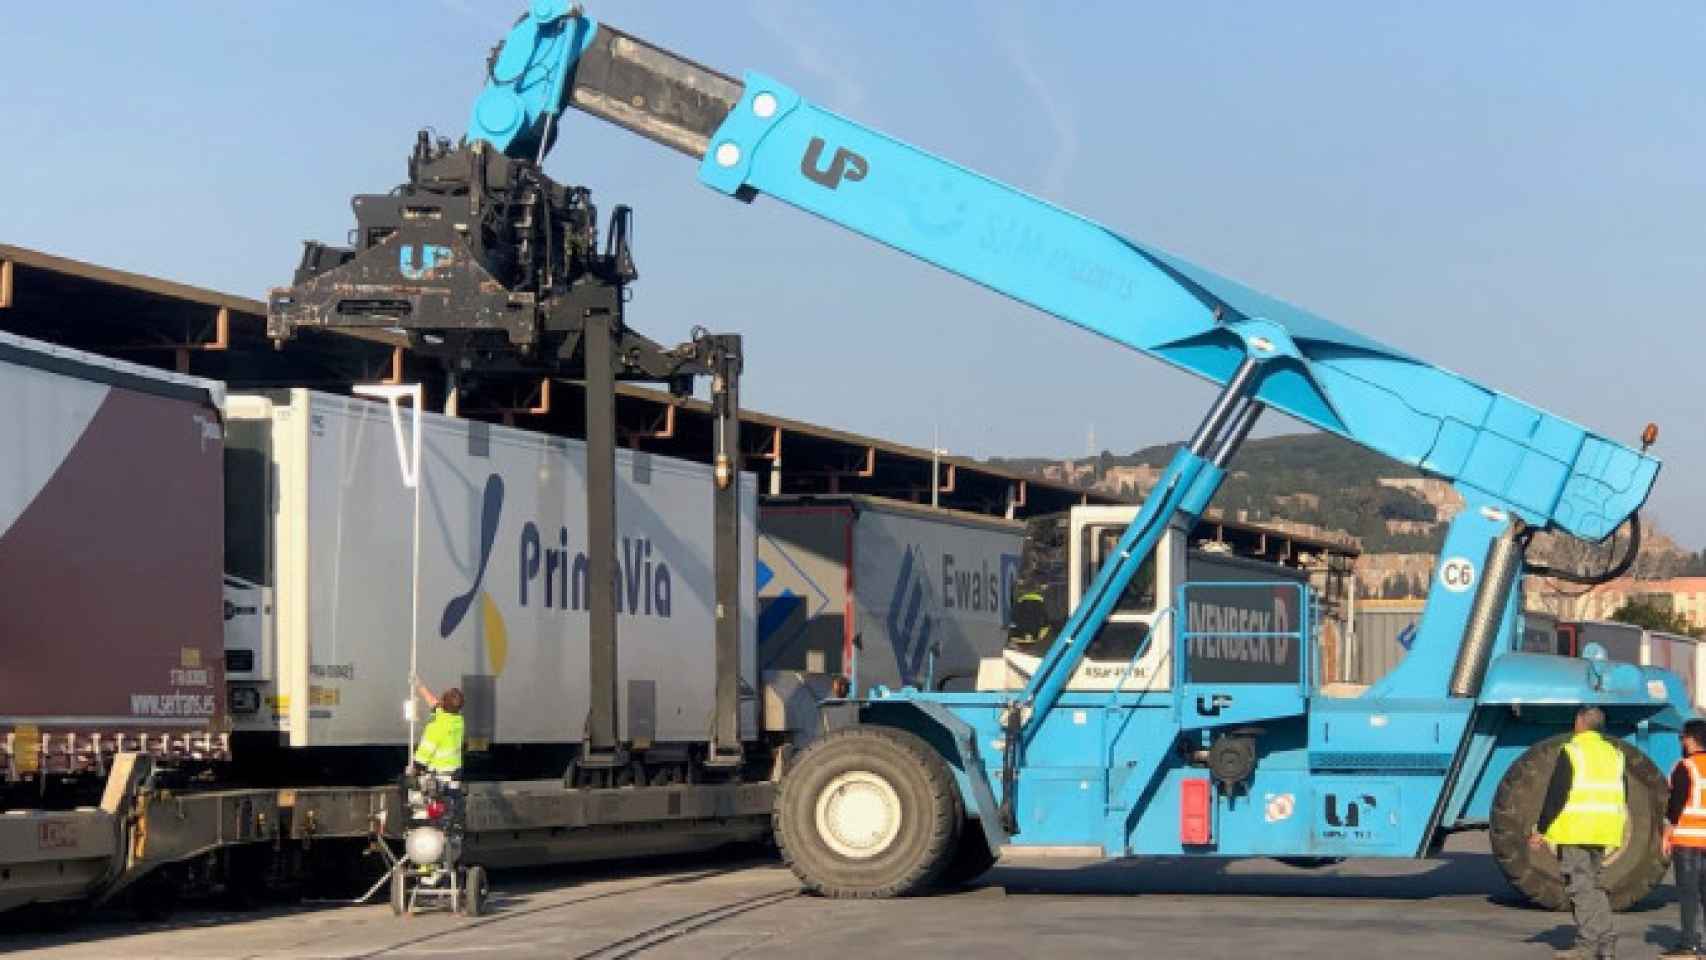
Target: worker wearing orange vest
1685 836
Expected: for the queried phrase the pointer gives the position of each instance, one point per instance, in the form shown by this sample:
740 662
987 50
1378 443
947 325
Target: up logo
495 633
419 265
1351 816
843 165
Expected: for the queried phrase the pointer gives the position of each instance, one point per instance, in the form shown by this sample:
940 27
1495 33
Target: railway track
685 925
629 943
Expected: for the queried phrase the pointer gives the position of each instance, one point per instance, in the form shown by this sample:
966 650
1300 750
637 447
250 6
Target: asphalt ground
745 906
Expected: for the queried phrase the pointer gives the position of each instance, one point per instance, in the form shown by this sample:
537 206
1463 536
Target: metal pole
935 454
602 742
726 548
415 581
409 464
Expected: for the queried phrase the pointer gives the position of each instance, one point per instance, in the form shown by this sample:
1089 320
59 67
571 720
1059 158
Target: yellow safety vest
441 743
1596 810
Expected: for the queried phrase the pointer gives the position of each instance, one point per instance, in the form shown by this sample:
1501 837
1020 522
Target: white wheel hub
858 815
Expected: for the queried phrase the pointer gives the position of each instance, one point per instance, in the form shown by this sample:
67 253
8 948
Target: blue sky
1514 191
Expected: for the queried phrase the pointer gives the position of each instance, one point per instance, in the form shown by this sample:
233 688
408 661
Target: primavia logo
643 584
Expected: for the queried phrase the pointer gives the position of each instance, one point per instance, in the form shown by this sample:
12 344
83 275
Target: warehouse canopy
203 332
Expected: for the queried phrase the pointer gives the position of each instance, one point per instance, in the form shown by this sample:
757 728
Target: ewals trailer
881 591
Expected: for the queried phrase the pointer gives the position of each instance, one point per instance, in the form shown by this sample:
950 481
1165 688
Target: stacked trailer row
112 567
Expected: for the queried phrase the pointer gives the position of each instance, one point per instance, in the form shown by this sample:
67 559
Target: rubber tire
1535 874
399 893
972 857
474 891
930 814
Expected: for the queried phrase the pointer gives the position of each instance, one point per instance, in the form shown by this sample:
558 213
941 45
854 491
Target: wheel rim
858 815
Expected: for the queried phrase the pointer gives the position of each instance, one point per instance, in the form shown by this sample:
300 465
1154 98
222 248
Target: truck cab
1063 553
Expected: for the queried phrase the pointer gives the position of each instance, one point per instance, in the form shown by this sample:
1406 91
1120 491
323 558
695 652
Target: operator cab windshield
1121 636
1041 597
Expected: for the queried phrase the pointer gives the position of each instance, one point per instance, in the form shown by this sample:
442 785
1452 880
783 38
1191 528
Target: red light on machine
1196 813
435 809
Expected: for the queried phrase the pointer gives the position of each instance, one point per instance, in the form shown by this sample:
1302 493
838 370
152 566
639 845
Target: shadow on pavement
1452 874
513 891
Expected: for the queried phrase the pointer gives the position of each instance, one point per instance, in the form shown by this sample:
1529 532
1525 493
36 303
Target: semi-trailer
882 592
320 544
109 568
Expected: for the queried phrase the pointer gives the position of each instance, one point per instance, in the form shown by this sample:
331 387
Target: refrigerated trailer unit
319 535
882 591
109 562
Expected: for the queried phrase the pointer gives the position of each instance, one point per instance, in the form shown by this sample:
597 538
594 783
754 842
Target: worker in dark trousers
1685 837
1584 815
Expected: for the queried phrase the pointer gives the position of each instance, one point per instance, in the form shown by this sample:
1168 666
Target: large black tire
972 858
1631 872
867 812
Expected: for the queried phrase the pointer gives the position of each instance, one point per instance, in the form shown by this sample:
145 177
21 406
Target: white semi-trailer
320 532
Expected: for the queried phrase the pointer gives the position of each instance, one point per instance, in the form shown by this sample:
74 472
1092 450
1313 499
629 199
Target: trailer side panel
109 549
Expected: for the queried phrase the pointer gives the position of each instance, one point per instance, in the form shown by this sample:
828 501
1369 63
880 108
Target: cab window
1099 543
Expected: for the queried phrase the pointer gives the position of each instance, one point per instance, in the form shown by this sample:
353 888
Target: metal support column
725 408
601 747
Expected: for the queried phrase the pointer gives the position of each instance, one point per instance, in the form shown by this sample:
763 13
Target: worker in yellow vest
1685 837
1585 814
440 749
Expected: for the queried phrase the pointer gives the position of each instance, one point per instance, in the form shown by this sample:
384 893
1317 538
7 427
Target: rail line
671 930
627 946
